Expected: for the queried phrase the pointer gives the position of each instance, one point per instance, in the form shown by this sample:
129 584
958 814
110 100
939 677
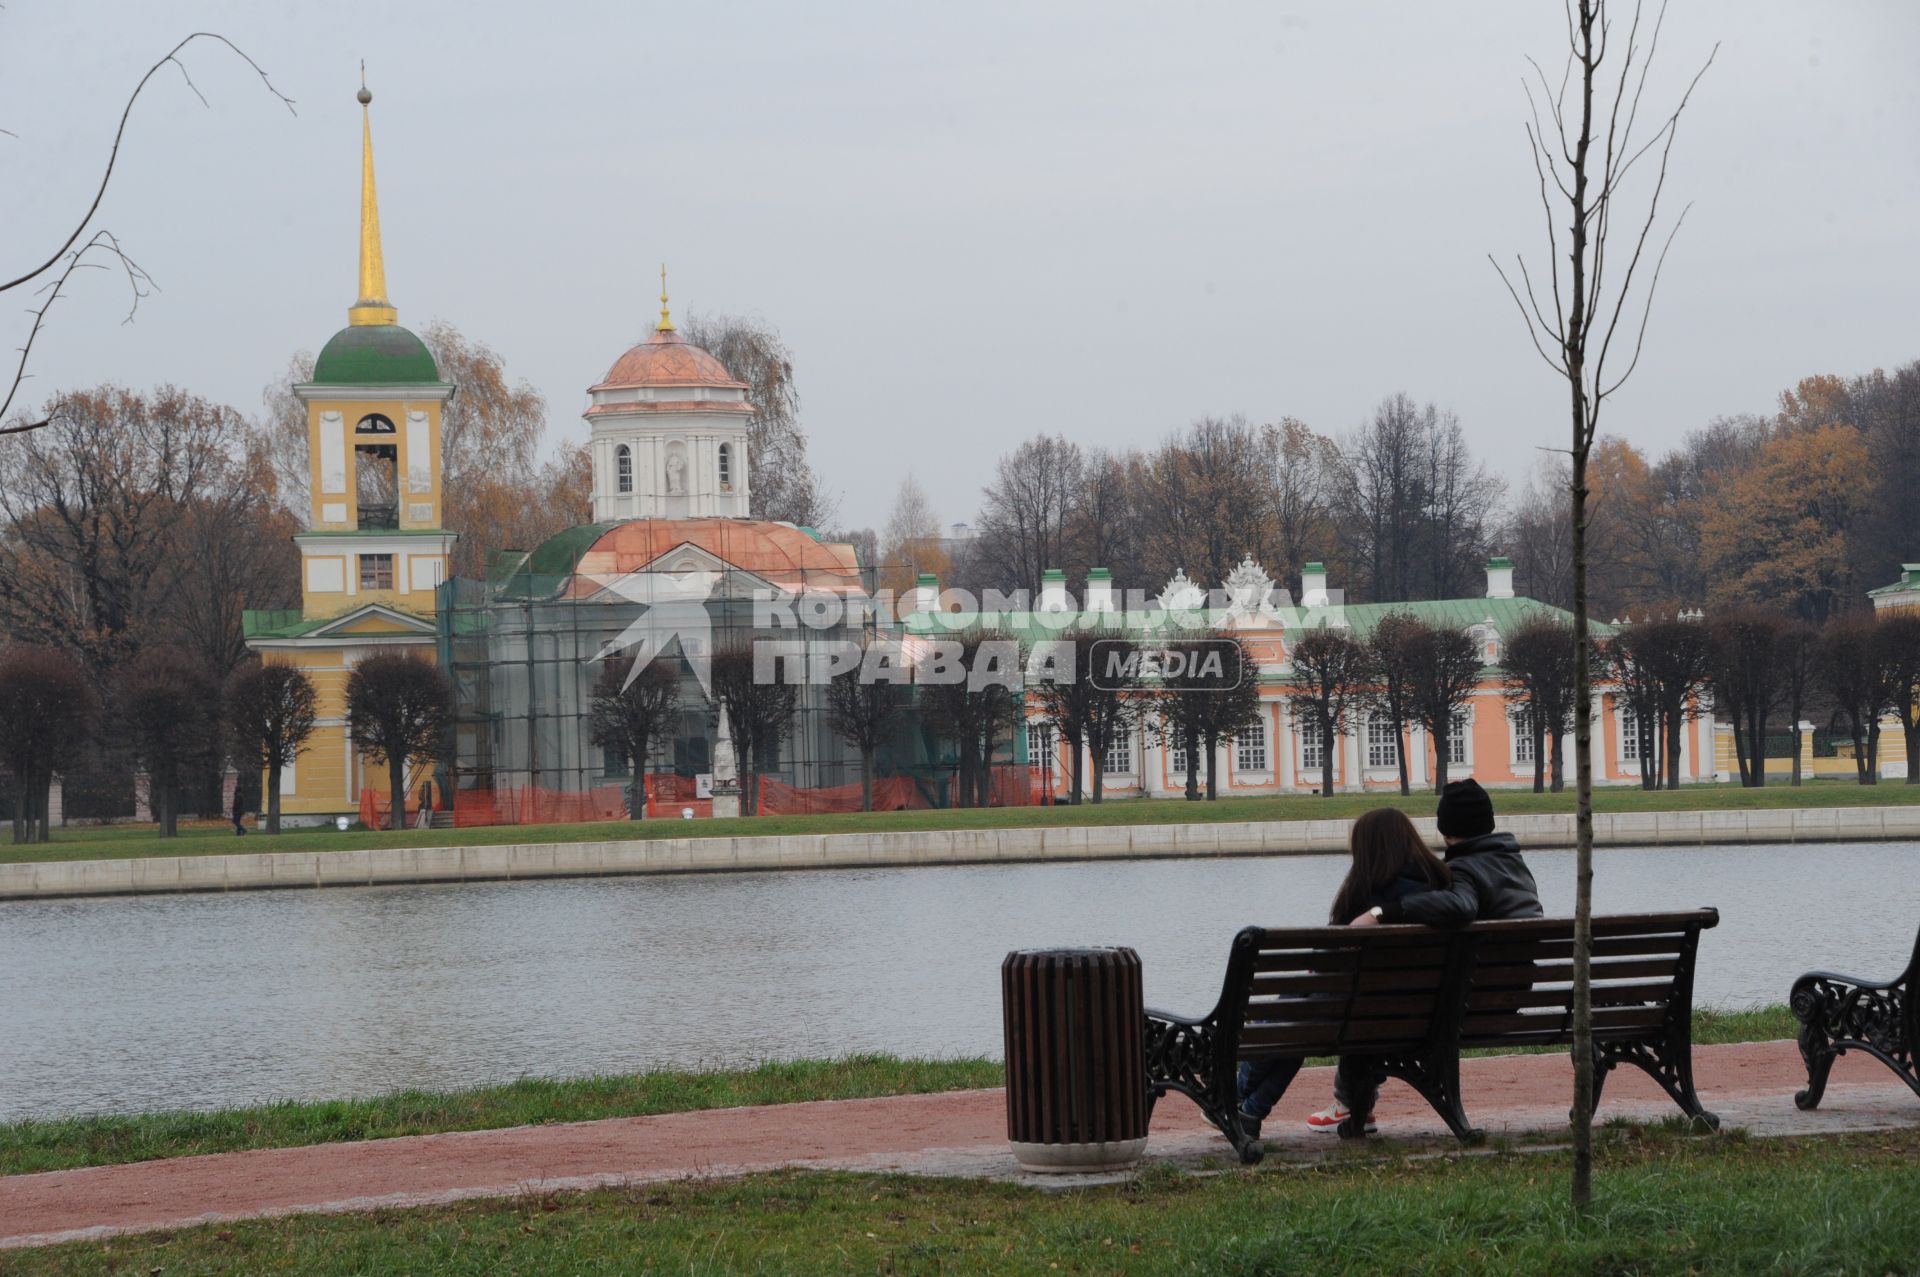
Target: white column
1416 756
1350 756
1283 744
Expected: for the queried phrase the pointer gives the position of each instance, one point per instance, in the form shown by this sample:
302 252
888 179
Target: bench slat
1496 1027
1413 980
1603 995
1523 974
1323 1010
1603 946
1333 1036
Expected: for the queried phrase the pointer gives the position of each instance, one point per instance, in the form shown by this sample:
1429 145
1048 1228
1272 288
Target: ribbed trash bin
1076 1058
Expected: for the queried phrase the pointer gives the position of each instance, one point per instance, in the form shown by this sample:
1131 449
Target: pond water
200 1001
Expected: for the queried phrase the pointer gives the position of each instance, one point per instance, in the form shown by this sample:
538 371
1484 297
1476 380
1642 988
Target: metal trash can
1076 1058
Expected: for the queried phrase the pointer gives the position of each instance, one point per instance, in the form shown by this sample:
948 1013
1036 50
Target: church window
376 571
623 468
726 466
374 424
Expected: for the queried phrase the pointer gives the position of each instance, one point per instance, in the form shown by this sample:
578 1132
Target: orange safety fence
669 795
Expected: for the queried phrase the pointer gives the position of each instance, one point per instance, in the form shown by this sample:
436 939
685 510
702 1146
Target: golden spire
666 321
372 308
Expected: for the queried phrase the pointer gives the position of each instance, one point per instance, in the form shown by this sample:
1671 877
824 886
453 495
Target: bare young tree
102 249
781 479
1395 648
864 709
1746 685
1573 318
399 711
1538 659
910 543
632 714
1443 668
270 714
1330 677
47 707
1028 510
759 715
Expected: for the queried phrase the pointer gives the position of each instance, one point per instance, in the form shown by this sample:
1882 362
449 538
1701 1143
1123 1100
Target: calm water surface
204 1001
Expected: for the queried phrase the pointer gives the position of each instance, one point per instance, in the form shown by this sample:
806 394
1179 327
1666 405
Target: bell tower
374 532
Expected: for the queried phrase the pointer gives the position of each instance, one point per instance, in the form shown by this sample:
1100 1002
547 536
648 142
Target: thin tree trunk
1539 756
1192 738
1760 750
1911 731
866 779
1400 735
397 793
1213 767
1079 763
44 801
273 800
1327 746
1442 747
1671 762
1797 745
1740 751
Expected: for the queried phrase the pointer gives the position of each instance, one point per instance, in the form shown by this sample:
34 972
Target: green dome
375 355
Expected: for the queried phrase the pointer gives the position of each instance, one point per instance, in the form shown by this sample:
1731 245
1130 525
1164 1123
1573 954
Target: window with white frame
1522 723
1250 749
1312 754
1039 743
623 468
1177 757
1459 730
1119 756
1383 742
1629 734
726 468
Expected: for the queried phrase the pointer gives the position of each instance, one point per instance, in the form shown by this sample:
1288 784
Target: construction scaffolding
526 647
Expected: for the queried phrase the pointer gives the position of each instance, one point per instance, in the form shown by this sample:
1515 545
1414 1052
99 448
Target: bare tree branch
139 284
120 133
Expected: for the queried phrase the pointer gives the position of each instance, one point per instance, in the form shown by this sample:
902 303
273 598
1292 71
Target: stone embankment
264 870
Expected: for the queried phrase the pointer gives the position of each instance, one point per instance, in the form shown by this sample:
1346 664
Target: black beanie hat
1465 811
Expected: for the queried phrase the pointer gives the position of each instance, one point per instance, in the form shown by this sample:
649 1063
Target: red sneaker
1327 1121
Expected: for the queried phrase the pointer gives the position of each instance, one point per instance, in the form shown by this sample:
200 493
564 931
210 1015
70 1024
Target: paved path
958 1133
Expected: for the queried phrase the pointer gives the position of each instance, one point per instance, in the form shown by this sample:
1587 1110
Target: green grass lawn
114 842
1665 1204
103 1140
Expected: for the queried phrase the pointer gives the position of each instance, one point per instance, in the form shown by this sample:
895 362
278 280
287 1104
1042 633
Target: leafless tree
1331 676
270 712
47 708
101 249
1395 649
1204 500
782 480
1027 511
1574 318
910 543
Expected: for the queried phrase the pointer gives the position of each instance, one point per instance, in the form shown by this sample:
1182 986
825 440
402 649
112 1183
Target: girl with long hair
1389 861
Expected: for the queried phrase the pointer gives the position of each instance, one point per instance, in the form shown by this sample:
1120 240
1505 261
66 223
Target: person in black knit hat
1487 879
1490 880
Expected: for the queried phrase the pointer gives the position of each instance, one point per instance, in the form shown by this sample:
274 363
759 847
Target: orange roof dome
665 359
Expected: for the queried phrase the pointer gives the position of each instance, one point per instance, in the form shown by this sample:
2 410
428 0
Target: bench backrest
1521 991
1383 990
1324 990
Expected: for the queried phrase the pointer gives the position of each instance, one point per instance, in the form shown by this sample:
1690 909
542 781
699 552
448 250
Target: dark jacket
1490 880
1407 884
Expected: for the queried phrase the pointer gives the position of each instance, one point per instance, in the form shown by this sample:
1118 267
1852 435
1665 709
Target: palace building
674 567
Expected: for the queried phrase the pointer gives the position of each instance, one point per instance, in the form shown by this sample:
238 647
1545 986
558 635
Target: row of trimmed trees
176 721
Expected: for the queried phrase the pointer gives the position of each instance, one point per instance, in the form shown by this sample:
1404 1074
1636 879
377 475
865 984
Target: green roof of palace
375 355
1361 618
1909 580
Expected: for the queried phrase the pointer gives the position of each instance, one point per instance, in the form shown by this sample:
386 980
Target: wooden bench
1411 998
1840 1013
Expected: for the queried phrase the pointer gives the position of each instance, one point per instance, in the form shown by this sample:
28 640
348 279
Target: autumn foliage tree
1781 534
47 707
271 711
399 711
632 714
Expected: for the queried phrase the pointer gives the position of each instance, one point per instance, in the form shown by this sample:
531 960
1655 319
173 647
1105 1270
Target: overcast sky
971 222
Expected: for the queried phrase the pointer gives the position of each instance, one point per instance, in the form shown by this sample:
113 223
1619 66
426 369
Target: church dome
375 355
664 359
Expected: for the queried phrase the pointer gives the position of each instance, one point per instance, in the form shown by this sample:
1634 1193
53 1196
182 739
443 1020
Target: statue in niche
676 474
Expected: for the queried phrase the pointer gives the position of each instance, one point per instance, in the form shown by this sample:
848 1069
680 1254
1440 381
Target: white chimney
1053 591
924 596
1099 590
1499 578
1313 585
